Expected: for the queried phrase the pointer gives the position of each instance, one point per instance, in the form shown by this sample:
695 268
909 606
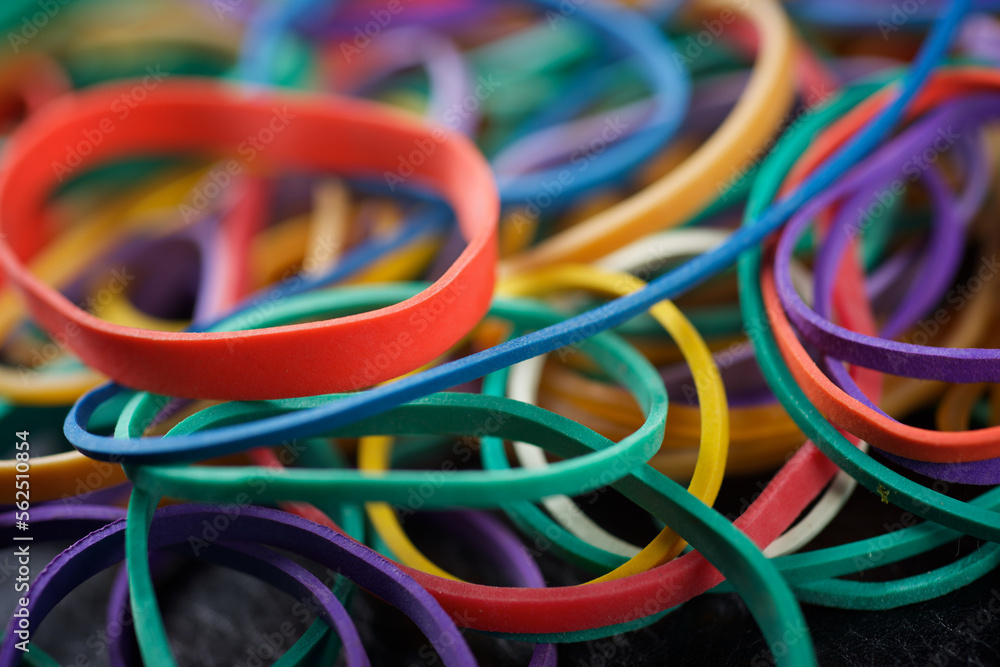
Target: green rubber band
764 590
531 520
317 645
970 518
464 414
874 596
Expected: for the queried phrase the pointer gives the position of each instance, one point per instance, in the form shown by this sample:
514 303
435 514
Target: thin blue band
629 31
614 313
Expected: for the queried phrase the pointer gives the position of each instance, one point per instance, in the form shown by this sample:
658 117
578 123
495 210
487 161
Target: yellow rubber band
711 462
374 453
701 178
70 473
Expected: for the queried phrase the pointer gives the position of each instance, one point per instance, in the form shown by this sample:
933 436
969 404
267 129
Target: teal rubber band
466 415
763 588
319 645
873 596
817 568
463 414
531 520
904 493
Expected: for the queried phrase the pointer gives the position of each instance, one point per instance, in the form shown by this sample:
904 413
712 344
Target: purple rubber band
447 70
964 365
175 524
506 553
945 248
50 523
552 145
261 563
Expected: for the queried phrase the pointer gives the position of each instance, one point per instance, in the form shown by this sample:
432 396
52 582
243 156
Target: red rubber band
836 405
305 133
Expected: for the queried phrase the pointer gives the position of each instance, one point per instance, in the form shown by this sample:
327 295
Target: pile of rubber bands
480 306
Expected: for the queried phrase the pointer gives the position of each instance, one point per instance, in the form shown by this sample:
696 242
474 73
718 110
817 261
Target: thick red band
252 133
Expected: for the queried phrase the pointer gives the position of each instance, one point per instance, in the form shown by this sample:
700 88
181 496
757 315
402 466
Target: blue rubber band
614 313
629 31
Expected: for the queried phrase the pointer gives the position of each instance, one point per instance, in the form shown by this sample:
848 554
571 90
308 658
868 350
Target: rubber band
872 475
900 439
628 30
691 187
711 463
77 521
203 365
355 399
